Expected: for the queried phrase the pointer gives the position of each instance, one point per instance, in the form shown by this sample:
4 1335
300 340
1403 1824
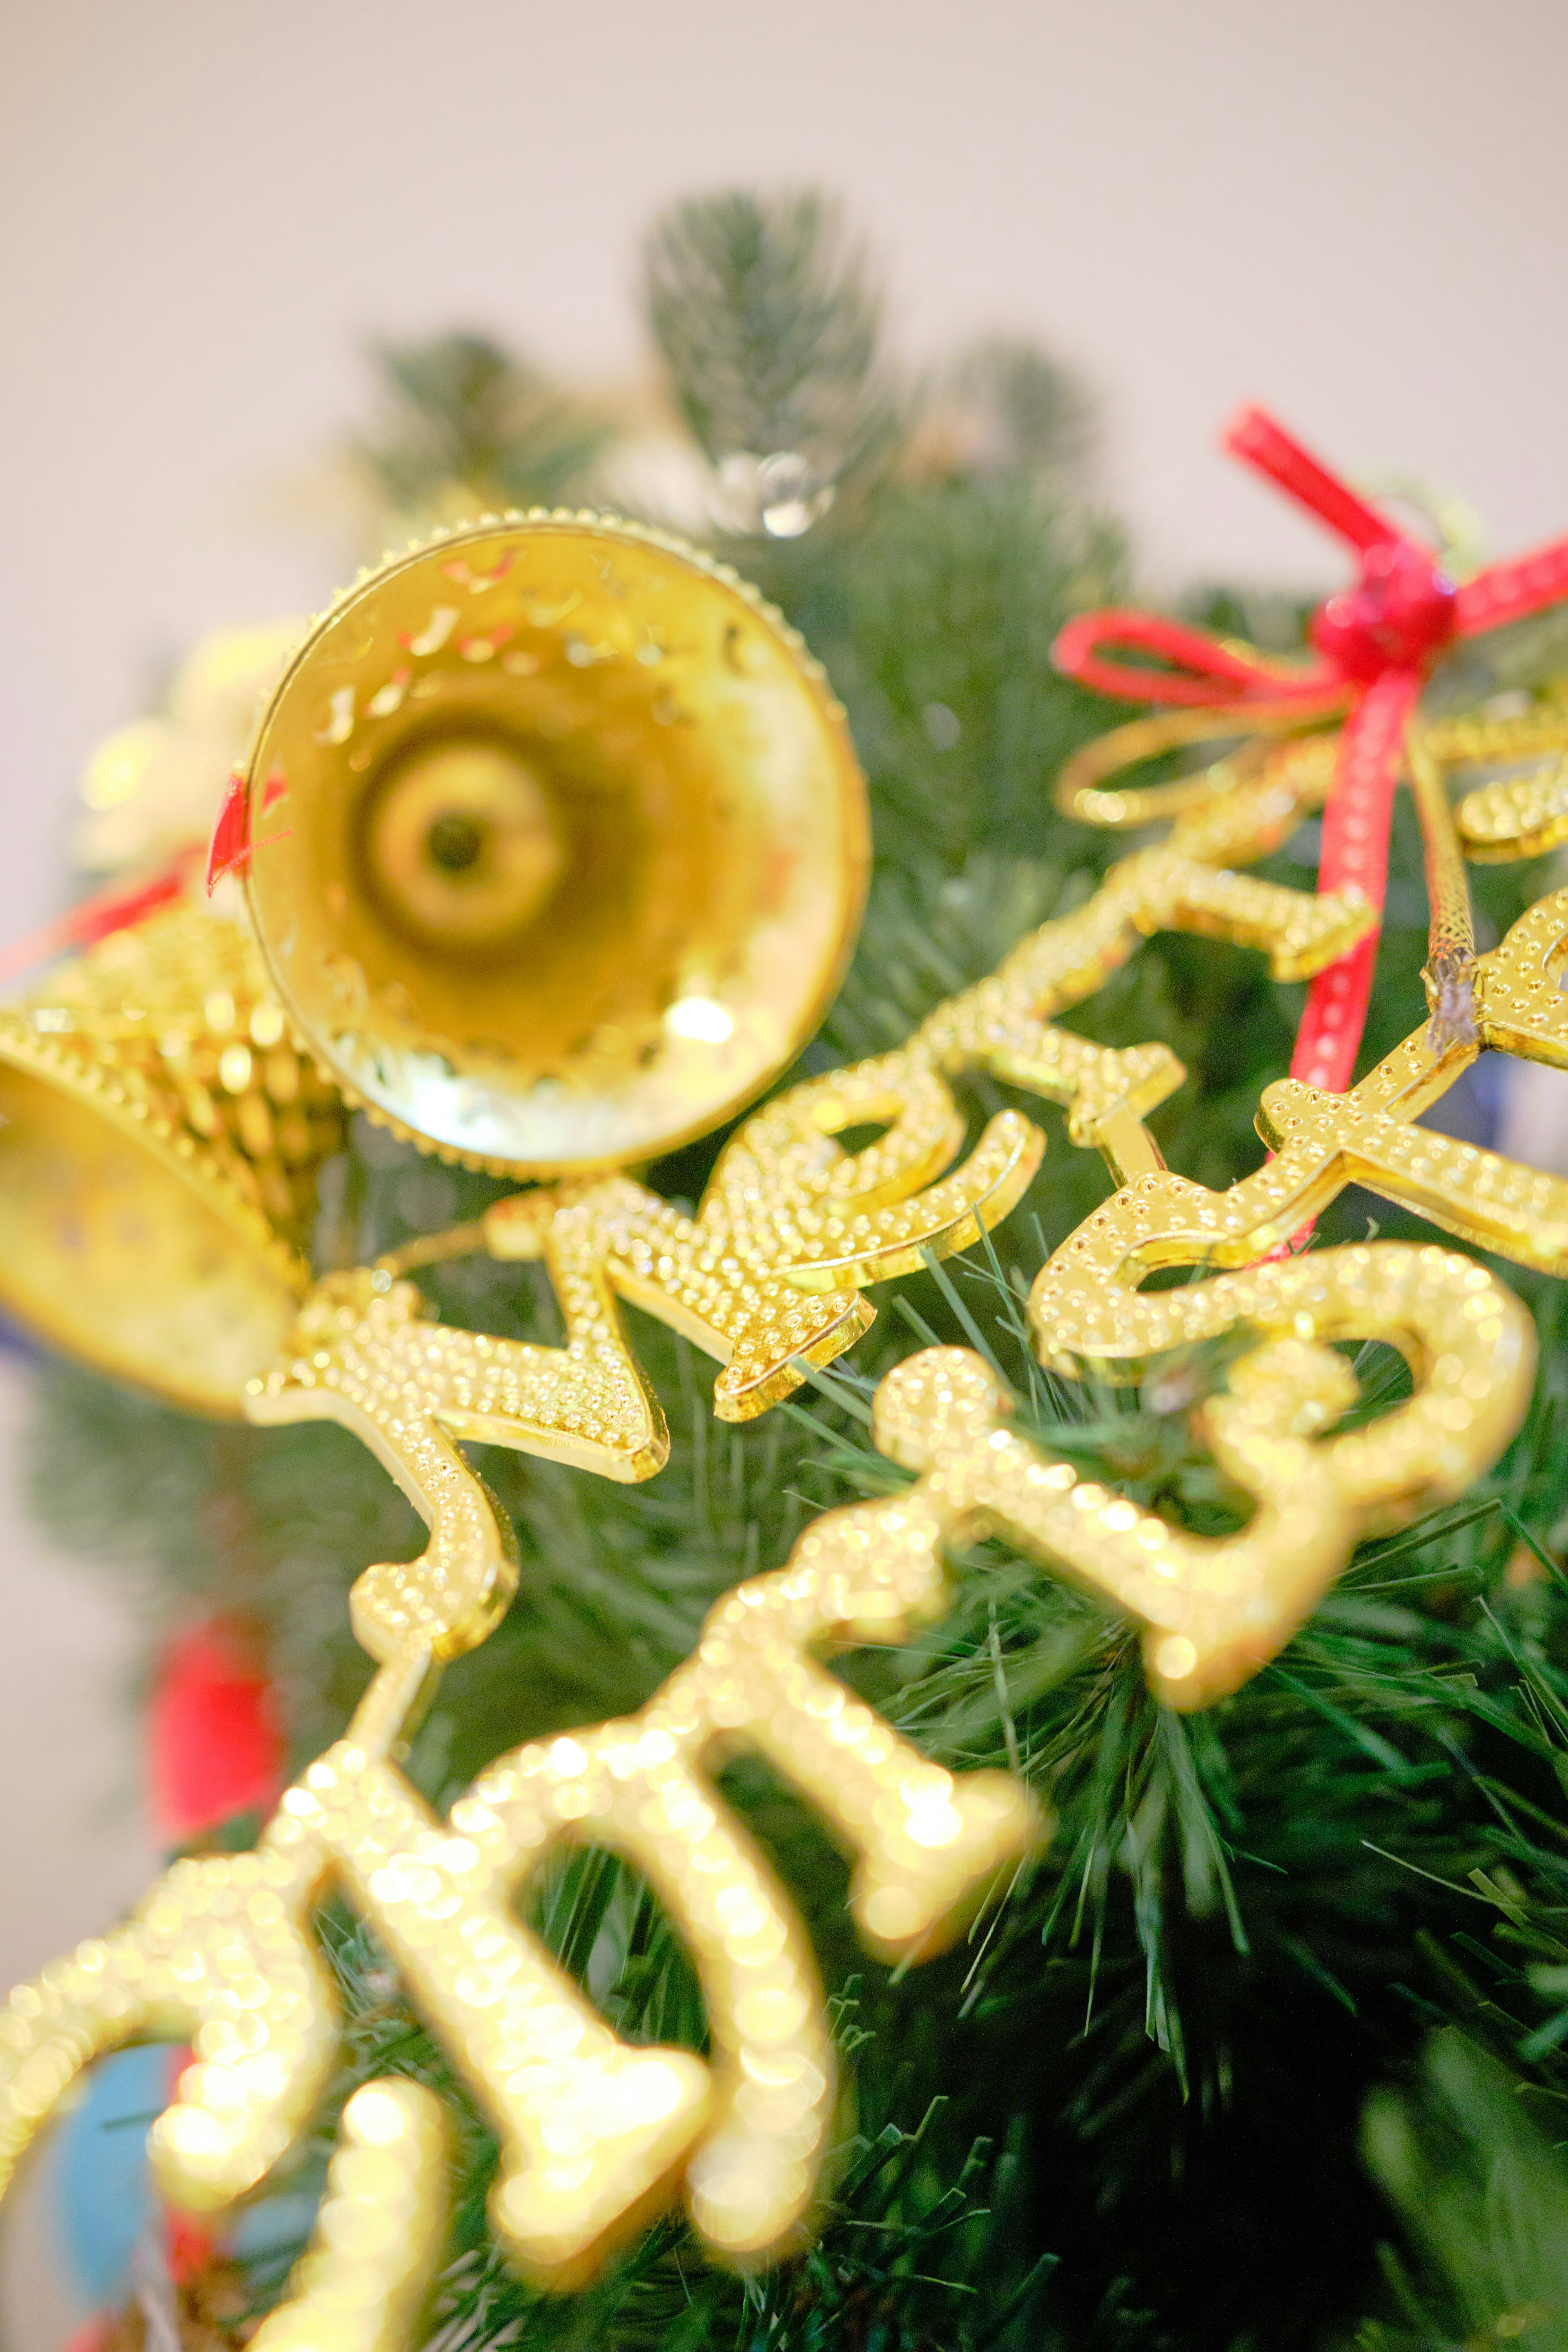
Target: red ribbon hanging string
91 920
120 909
1375 644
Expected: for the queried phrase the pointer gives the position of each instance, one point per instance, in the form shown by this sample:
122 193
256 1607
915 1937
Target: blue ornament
101 2190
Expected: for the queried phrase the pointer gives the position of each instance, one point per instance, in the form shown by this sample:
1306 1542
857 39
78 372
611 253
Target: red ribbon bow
1375 644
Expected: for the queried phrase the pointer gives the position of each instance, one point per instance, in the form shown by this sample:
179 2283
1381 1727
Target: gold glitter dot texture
363 2283
596 2135
160 1137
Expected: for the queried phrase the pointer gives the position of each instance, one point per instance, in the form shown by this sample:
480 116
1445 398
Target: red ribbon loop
1205 668
91 920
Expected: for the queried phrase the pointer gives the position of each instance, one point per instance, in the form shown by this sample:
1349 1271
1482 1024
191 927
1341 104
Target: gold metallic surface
1236 810
159 1142
1512 817
1216 1609
461 847
559 843
1518 814
1321 1142
1448 974
1087 1308
596 2136
363 2285
1078 789
1489 738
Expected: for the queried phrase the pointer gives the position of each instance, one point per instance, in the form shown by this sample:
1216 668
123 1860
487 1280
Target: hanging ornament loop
1375 643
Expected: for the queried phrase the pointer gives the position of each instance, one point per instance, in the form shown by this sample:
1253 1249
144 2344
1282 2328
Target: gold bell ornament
555 844
159 1140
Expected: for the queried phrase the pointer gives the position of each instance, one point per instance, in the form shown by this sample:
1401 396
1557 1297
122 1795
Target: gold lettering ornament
1520 814
1087 1308
598 2136
595 2135
767 1276
1086 1304
363 2284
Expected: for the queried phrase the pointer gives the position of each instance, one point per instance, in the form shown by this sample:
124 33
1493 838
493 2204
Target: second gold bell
160 1136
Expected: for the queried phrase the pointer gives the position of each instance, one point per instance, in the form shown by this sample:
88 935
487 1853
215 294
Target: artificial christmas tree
1195 1950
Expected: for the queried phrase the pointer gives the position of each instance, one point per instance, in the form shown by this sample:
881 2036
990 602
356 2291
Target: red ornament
214 1740
1376 643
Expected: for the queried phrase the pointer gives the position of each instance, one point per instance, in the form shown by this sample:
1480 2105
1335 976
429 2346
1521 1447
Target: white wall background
1354 209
